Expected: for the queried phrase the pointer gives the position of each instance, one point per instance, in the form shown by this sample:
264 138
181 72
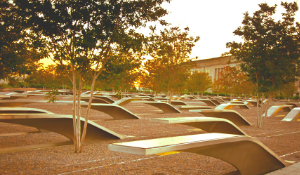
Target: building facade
214 65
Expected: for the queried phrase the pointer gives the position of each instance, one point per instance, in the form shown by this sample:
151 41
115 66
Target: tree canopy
269 54
170 66
82 35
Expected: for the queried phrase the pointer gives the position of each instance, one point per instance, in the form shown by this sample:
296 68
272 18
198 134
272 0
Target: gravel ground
280 137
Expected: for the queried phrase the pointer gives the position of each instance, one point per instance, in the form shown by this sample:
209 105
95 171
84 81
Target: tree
199 81
288 89
269 53
121 71
20 46
84 34
170 51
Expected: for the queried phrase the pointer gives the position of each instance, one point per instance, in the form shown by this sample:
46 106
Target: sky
214 21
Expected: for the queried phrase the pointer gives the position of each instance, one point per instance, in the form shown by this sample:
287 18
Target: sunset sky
214 21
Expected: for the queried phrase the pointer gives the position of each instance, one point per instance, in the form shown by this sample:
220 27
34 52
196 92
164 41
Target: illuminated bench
207 101
247 154
105 98
125 101
13 103
22 110
293 115
231 105
165 107
187 108
61 124
94 100
116 111
273 110
13 96
253 102
208 124
230 115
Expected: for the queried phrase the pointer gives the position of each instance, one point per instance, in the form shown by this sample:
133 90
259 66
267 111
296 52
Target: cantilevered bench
295 105
125 101
3 96
253 102
231 105
230 115
13 96
13 103
174 102
273 110
215 101
187 108
209 124
247 154
105 98
94 100
61 124
116 111
165 107
207 101
293 115
22 110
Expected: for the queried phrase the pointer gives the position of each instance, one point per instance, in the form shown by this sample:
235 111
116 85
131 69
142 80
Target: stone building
214 65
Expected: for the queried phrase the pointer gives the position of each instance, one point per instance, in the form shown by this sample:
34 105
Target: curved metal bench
13 96
207 101
13 103
230 115
253 102
125 101
187 108
116 111
231 105
247 154
22 110
209 124
165 107
94 100
273 110
105 98
293 115
62 124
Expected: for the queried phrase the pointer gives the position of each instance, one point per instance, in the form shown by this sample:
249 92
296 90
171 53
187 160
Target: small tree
199 81
269 53
170 50
84 34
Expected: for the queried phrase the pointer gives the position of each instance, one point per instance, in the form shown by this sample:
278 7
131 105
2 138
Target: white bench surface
292 114
167 144
186 119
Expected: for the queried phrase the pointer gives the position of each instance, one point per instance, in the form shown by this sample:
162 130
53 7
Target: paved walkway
290 170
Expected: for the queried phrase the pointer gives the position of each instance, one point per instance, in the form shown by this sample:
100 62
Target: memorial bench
293 115
207 101
116 111
231 105
22 110
273 110
13 103
61 124
208 124
230 115
253 102
247 154
187 108
165 107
